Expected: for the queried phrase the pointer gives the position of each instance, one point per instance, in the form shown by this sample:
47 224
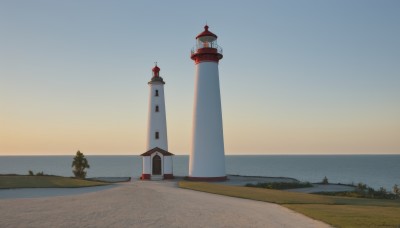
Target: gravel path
147 204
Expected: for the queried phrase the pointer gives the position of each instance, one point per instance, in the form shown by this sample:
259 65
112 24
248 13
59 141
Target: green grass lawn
335 210
20 181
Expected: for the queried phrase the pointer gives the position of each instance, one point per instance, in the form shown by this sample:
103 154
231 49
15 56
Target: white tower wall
207 158
157 120
146 165
167 165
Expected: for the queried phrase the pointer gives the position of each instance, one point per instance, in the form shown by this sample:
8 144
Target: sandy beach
145 204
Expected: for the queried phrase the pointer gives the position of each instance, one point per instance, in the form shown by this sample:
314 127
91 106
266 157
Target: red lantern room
206 38
206 49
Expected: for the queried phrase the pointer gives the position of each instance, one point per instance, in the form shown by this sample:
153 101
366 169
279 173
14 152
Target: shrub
364 191
361 187
281 185
396 190
382 191
31 173
370 192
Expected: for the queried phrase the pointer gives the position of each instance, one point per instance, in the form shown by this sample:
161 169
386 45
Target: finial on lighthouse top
156 75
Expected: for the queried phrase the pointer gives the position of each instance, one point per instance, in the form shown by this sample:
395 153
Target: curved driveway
147 204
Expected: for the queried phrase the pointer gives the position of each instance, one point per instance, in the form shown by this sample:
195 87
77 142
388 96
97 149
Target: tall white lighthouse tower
157 161
207 157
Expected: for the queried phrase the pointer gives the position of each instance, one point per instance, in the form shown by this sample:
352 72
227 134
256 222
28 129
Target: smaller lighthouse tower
157 121
157 161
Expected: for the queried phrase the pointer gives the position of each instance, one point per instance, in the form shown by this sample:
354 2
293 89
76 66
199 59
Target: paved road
147 204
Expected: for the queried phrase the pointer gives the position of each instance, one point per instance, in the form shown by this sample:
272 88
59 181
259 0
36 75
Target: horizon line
55 155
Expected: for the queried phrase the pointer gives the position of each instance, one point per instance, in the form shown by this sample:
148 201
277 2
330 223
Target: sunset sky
307 77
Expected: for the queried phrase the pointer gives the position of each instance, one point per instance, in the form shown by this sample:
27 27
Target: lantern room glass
207 42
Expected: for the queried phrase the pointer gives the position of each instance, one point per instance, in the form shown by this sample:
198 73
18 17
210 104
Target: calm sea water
374 170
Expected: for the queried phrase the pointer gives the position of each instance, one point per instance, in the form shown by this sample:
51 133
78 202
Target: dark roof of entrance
156 149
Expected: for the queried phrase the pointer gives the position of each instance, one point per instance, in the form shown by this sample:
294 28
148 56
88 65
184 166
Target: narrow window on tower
157 109
157 135
156 92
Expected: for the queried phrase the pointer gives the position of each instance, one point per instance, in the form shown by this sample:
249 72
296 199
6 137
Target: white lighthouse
157 161
207 157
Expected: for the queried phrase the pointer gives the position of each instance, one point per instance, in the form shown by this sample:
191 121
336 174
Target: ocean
374 170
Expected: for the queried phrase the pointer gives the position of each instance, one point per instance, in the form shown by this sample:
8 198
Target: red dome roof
156 75
156 69
206 33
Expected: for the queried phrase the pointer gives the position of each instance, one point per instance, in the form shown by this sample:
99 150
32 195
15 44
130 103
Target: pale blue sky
296 77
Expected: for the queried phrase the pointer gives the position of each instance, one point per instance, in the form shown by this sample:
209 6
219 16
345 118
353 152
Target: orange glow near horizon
45 137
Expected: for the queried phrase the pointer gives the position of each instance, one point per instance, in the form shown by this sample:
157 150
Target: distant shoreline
376 170
138 154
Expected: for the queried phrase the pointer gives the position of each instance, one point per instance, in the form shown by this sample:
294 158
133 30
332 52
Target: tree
361 187
79 165
396 190
382 191
325 180
371 192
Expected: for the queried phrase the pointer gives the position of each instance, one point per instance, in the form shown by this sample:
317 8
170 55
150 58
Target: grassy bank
334 210
20 181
